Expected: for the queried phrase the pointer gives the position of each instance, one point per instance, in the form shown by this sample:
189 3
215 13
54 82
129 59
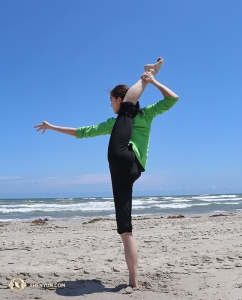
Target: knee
125 230
127 238
124 235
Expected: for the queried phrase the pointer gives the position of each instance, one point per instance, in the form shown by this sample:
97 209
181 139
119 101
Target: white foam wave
151 198
214 197
144 202
228 203
13 220
181 200
202 204
164 206
220 199
92 206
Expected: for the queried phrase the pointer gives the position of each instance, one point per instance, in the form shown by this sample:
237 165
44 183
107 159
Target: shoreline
134 216
194 257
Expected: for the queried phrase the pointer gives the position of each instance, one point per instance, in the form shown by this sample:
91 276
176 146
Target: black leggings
125 170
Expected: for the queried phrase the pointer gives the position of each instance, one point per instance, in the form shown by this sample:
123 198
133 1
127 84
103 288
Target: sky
58 60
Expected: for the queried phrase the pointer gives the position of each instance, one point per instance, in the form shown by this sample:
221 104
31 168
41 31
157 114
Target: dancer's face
115 103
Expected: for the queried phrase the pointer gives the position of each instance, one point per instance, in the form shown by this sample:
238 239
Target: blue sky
59 58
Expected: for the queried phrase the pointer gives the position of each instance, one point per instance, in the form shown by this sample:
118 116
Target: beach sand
195 257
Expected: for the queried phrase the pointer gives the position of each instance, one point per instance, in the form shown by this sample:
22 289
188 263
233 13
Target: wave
92 206
214 196
104 206
171 206
220 199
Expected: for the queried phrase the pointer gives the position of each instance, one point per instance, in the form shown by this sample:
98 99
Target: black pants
125 170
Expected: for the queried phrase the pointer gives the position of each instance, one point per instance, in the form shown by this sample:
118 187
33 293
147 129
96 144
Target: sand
195 257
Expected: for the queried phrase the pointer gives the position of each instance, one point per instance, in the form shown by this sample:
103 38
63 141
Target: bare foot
155 67
133 283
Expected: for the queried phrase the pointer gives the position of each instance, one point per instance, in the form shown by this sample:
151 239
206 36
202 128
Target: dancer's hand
44 126
148 77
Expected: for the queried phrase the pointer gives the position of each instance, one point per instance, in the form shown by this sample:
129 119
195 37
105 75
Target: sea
93 207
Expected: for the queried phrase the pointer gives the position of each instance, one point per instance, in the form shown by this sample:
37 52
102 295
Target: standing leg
122 184
131 257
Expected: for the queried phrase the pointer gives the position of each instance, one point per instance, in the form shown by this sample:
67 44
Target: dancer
127 149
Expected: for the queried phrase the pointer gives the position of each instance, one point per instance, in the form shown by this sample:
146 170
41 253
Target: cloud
93 178
162 183
65 180
10 177
11 183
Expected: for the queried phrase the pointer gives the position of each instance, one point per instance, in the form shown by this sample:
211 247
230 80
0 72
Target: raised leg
156 67
136 90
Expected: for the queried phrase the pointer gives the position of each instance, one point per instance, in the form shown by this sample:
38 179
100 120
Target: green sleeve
96 130
160 107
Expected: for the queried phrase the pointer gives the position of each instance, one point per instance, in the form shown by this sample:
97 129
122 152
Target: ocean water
53 208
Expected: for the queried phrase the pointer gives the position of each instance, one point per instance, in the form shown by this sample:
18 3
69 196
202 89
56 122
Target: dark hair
119 91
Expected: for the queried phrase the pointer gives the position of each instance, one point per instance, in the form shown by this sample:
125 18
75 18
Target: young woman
127 149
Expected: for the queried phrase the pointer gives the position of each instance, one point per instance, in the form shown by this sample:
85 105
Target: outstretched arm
166 92
45 126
